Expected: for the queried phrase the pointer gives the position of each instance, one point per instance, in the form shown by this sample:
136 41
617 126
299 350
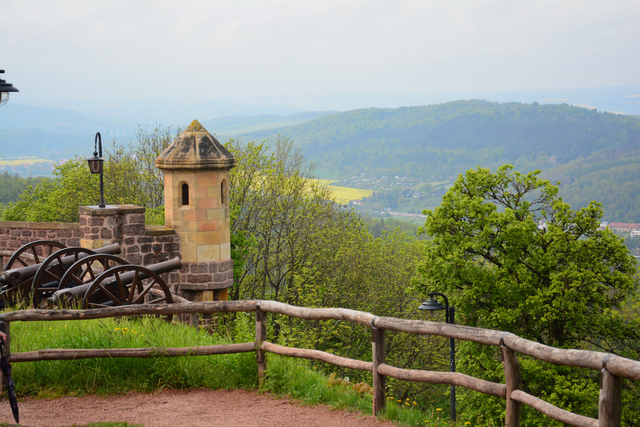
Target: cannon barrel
79 291
19 275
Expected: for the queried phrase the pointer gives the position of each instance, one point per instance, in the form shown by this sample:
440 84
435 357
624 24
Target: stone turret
196 199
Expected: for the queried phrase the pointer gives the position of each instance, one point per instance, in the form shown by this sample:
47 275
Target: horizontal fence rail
613 368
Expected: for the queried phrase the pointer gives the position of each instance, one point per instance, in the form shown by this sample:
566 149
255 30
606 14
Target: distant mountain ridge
458 134
582 147
596 155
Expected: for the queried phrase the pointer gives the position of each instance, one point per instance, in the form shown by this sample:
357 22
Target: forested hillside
595 155
11 186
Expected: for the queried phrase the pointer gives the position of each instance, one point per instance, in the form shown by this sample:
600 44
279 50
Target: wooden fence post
261 335
377 350
513 380
4 327
609 406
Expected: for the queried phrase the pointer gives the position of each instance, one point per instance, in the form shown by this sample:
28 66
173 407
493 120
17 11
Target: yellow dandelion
467 423
438 409
399 401
414 403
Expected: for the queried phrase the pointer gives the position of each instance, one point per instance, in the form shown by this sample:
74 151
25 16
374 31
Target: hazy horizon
297 53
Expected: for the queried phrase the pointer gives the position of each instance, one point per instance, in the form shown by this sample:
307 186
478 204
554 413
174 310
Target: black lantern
95 165
5 89
431 305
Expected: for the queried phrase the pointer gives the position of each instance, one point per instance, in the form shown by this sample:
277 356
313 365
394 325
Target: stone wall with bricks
196 171
123 224
140 244
15 234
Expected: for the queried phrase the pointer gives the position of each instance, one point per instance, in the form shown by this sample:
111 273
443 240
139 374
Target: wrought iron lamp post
432 305
96 165
5 89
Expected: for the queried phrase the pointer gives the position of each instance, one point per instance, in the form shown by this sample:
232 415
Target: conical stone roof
195 149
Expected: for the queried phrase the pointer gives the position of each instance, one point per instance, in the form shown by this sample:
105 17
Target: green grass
121 375
285 376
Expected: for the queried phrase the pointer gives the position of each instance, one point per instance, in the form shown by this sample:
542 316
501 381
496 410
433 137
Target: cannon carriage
51 275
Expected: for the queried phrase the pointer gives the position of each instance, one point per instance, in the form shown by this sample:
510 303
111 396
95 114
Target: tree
301 248
285 213
130 177
56 199
514 257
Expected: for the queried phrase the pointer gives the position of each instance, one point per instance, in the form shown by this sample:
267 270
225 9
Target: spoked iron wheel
33 253
126 285
48 276
86 270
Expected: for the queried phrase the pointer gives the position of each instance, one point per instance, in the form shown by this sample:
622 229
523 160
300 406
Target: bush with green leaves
130 177
512 256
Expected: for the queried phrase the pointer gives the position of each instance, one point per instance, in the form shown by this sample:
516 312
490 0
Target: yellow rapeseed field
17 161
345 194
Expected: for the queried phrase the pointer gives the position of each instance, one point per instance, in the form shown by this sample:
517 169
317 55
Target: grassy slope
285 376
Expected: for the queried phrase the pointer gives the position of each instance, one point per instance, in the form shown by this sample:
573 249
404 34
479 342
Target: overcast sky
213 50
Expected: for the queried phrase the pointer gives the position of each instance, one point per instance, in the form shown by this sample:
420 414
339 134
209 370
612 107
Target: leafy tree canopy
130 176
513 256
518 258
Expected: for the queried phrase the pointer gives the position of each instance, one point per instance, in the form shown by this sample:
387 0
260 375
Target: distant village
378 182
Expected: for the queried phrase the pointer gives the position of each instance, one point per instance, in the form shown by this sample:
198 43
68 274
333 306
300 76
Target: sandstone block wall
15 234
141 245
123 224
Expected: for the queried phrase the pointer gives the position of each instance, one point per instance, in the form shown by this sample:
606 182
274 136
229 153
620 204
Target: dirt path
178 408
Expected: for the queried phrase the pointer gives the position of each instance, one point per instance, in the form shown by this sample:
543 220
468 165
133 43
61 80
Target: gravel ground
177 408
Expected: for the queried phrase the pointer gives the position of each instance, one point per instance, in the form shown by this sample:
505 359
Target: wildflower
407 403
414 403
438 409
399 401
467 423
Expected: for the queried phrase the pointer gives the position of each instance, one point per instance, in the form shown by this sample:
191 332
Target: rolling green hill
595 155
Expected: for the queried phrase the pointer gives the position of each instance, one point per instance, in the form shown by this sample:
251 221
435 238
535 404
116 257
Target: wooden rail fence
613 368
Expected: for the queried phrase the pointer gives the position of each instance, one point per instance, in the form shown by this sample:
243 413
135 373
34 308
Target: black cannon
77 276
119 285
50 261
